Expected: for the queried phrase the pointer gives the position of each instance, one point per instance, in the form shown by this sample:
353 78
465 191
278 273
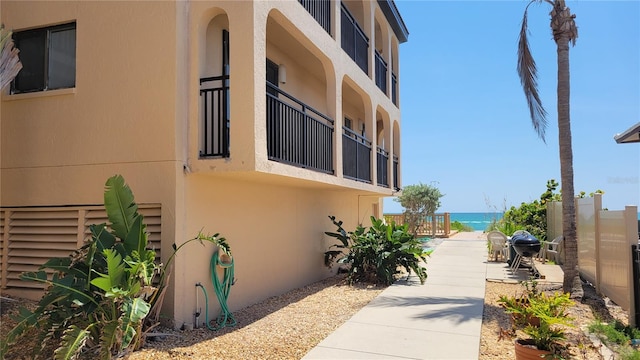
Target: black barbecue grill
526 246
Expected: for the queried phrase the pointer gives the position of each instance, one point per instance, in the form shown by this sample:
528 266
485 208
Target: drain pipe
196 313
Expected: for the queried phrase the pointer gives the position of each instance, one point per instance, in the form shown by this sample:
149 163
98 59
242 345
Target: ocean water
477 220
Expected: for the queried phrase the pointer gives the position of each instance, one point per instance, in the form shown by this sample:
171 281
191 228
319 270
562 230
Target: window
48 57
348 123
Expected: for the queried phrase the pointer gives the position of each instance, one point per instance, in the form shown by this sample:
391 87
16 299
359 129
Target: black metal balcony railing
396 183
320 10
215 107
381 72
394 89
356 156
354 41
298 134
383 167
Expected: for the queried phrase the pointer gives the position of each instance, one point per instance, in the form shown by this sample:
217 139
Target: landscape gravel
497 338
288 326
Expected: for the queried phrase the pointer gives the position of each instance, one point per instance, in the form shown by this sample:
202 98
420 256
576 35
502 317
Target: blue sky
465 124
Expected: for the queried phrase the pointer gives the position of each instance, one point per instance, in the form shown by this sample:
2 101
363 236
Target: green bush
375 255
418 201
617 336
531 217
457 225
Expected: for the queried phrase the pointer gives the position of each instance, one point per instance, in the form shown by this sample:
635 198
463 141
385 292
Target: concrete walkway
441 319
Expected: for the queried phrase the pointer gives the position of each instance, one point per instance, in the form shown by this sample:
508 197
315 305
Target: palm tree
9 62
564 31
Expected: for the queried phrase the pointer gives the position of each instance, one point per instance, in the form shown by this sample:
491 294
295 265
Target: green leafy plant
457 225
617 336
376 254
99 297
419 201
542 317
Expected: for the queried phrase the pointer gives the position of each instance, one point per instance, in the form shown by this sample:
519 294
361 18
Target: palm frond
528 73
10 63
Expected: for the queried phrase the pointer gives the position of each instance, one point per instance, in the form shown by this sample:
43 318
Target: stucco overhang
631 135
392 14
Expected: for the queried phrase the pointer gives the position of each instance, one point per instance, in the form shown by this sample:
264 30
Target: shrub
419 201
617 336
457 225
548 311
531 217
375 254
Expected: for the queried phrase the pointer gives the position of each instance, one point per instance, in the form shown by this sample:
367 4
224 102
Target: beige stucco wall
59 147
250 45
135 111
276 234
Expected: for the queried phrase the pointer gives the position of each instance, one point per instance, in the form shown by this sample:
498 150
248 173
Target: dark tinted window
48 57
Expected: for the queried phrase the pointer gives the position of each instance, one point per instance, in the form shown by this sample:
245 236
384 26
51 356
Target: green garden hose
222 290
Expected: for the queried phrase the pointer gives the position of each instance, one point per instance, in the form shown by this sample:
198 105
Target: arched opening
356 133
355 40
299 132
394 73
214 124
380 57
396 155
382 152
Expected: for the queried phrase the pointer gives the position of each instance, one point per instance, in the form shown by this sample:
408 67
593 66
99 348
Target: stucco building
254 119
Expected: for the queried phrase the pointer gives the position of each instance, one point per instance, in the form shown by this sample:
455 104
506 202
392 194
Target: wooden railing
438 225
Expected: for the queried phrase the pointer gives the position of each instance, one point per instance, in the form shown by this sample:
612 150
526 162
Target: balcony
214 95
356 156
298 134
320 10
354 41
382 163
396 183
381 72
394 89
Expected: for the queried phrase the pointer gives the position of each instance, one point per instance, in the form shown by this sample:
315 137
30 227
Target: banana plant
99 294
99 297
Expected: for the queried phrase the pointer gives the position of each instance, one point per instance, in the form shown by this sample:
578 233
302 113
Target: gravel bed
497 338
282 327
288 326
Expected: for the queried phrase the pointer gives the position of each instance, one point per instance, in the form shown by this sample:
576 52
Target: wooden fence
438 225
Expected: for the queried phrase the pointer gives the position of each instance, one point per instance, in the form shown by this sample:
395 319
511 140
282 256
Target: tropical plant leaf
25 319
120 205
133 311
73 339
136 239
103 238
115 272
109 338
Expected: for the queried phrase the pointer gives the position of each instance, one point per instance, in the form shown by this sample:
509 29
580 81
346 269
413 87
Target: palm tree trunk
564 30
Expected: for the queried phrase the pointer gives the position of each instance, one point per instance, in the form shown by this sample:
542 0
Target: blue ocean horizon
479 221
